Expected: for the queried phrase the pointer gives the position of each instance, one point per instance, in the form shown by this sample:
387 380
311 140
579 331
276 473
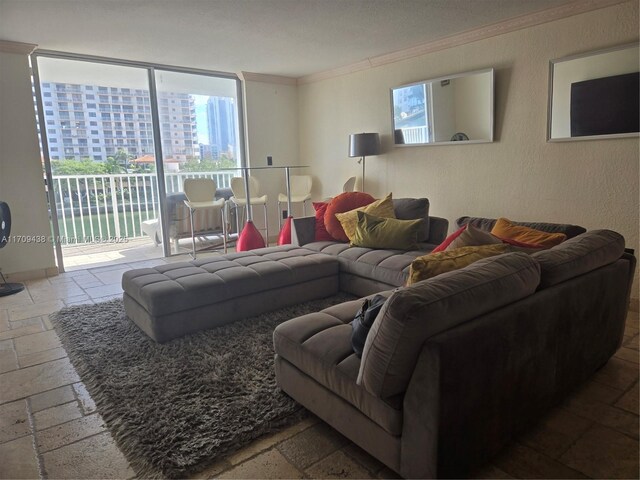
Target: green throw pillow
379 232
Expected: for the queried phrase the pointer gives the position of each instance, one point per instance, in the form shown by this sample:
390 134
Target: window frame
154 112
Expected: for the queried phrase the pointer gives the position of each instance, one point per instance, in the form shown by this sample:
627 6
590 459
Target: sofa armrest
458 411
631 258
476 386
438 228
419 444
303 230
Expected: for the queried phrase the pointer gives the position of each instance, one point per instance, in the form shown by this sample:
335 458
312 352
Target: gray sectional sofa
169 301
367 270
455 366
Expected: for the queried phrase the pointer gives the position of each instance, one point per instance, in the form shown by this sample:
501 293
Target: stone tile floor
49 426
95 255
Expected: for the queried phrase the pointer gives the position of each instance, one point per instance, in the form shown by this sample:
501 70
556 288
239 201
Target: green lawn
132 222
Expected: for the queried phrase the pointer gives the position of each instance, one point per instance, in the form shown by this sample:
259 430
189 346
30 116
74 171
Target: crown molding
507 26
336 72
17 47
264 78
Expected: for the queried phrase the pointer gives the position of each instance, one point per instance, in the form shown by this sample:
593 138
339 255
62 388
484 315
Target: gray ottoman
170 301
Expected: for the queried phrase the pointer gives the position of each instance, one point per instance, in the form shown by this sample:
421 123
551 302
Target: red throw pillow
321 231
447 241
343 203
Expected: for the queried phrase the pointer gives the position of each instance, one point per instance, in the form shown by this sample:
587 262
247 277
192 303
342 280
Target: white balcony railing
101 208
415 135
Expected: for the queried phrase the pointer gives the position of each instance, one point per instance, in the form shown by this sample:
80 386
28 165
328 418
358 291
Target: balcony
101 209
413 135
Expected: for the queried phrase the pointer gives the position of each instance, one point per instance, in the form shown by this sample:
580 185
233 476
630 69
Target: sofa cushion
343 203
504 228
487 224
378 232
414 209
319 344
175 287
427 266
379 208
390 267
330 248
414 314
579 255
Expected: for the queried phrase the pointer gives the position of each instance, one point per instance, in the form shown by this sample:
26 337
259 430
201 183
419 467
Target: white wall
520 175
271 117
21 180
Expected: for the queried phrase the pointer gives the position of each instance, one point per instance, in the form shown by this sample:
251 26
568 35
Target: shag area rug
175 408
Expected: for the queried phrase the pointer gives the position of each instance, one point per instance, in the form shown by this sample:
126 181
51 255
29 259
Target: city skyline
95 121
221 117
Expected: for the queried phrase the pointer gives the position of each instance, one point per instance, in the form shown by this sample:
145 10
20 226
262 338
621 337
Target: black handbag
362 322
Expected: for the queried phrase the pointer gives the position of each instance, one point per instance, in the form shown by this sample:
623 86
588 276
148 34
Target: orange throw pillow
343 203
506 229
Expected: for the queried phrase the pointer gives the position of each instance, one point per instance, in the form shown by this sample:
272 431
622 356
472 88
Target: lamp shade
364 144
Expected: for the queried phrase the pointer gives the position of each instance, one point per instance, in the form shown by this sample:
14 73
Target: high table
250 237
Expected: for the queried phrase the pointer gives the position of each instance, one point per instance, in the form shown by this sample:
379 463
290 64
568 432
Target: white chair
152 229
300 193
349 185
201 193
239 199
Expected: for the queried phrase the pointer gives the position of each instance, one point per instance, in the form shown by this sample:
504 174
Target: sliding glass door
200 137
96 125
118 138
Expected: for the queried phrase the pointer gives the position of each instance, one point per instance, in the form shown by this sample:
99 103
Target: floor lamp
362 145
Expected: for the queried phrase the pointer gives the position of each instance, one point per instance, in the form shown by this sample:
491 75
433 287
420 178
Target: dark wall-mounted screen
606 105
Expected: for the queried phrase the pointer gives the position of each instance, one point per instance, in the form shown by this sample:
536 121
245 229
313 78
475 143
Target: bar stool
349 185
201 193
300 193
239 199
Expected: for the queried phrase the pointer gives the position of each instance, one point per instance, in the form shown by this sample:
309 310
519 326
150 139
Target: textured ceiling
279 37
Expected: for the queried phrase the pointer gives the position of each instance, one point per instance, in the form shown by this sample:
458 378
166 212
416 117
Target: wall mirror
594 95
444 111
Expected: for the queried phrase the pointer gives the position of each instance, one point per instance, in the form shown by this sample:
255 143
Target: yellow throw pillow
434 264
379 208
504 228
